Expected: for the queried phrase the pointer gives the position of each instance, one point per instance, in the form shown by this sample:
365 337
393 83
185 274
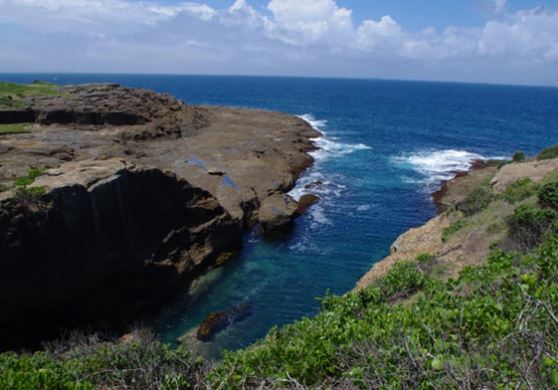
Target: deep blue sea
386 146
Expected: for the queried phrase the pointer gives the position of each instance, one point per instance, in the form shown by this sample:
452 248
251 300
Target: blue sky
513 41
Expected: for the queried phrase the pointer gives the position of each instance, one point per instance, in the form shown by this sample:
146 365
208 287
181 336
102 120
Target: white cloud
289 37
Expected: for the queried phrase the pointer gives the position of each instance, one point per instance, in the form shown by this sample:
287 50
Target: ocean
385 146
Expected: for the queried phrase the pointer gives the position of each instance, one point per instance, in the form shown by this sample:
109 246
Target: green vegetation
12 94
85 363
477 200
15 128
24 193
518 156
548 153
452 228
548 195
528 225
30 177
424 257
520 190
493 326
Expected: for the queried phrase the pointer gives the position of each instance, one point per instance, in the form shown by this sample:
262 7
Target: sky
494 41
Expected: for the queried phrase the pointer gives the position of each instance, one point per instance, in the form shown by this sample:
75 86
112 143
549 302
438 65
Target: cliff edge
112 199
476 206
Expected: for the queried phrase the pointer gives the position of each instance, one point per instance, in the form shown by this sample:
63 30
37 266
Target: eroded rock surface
141 192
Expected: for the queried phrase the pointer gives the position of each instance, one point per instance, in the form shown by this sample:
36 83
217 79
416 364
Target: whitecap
314 181
363 207
437 166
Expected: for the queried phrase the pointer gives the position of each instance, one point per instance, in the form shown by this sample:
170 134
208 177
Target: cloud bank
288 37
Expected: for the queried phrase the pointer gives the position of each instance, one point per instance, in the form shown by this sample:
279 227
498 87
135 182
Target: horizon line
502 84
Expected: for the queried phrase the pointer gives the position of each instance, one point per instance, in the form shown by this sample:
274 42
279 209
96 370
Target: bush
548 153
518 156
87 362
528 225
491 328
476 201
548 195
520 190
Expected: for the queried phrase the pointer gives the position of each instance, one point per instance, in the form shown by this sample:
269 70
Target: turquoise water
386 146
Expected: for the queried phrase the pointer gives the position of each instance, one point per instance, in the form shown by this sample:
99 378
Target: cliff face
98 252
477 205
137 194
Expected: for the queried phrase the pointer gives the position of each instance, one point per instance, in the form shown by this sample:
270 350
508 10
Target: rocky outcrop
535 170
277 212
141 193
468 241
110 240
305 202
219 321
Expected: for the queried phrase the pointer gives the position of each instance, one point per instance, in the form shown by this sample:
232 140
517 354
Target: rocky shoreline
452 252
114 199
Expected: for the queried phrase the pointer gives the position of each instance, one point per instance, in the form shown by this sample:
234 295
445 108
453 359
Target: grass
520 190
15 128
28 179
12 94
21 185
452 228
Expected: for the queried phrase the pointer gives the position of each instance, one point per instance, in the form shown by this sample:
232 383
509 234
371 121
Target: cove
386 146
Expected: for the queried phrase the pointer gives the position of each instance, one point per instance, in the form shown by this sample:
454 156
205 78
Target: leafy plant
518 156
548 153
548 195
528 225
476 201
519 190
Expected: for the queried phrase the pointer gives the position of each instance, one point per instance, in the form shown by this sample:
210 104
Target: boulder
277 212
305 202
219 321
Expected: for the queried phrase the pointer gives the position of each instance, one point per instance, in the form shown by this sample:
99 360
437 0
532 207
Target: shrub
476 201
424 257
528 225
493 327
548 153
87 362
518 156
520 190
452 228
548 195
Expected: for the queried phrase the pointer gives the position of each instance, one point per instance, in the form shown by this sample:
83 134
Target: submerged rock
219 321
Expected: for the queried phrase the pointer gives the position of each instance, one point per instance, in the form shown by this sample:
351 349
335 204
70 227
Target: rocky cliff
113 199
474 208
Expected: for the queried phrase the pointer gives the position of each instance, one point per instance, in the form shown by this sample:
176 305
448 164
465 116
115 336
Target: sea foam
314 181
438 166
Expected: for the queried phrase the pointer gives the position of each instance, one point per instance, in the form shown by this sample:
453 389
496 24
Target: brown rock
277 212
219 321
127 220
305 202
